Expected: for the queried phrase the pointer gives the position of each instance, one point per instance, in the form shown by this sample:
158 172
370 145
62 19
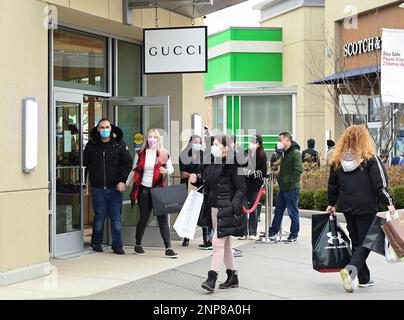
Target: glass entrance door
67 174
136 115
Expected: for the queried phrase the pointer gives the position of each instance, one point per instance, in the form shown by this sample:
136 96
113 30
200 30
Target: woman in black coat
358 180
255 172
224 191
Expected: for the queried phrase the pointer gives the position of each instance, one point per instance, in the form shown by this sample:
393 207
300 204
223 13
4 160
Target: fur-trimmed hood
117 134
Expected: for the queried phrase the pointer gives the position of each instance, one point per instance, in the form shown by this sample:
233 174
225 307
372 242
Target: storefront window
374 109
129 69
80 60
268 115
218 113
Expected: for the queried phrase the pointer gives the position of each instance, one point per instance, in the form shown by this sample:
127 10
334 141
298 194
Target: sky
240 15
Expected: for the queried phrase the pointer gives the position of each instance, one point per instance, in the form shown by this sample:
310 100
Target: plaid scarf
158 178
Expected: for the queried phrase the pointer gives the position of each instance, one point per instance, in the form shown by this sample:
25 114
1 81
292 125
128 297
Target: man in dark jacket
108 161
289 183
310 155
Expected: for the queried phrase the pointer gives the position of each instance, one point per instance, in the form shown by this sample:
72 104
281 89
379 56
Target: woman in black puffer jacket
224 191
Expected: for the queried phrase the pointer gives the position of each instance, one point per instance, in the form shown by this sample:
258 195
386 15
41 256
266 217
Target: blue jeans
107 201
289 200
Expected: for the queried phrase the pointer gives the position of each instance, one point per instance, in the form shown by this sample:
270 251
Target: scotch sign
362 46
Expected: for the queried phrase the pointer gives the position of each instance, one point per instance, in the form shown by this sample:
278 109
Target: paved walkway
266 272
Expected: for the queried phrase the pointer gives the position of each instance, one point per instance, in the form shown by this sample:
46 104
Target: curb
308 213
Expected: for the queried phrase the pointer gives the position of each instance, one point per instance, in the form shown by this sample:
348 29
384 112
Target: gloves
258 174
247 172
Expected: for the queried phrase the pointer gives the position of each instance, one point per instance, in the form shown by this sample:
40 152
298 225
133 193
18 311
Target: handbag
169 199
331 246
394 231
185 225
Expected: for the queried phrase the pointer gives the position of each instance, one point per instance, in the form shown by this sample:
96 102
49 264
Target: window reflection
80 60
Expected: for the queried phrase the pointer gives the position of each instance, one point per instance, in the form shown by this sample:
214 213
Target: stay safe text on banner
392 66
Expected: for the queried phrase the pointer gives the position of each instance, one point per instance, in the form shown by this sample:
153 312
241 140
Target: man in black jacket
310 155
108 161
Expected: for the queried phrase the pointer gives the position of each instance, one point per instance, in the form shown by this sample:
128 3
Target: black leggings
358 226
145 206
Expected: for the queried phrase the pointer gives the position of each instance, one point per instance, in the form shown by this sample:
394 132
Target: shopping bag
331 246
169 199
185 225
394 231
389 253
375 239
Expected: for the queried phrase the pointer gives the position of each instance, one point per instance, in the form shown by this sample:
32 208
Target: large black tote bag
331 246
169 199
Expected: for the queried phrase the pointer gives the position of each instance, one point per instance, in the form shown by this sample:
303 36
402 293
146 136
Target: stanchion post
268 208
270 196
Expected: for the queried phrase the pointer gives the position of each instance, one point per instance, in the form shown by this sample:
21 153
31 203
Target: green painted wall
245 35
244 67
269 142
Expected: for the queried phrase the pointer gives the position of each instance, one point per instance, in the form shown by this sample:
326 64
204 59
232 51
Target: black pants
145 206
358 226
250 220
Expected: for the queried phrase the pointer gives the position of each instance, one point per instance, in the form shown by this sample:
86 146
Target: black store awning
336 77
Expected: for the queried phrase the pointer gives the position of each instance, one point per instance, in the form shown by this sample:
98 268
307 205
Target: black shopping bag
331 246
169 199
374 239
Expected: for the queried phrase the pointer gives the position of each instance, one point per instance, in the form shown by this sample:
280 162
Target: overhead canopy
188 8
337 77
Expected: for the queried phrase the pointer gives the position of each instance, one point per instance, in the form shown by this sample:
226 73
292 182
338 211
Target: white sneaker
347 281
253 238
371 283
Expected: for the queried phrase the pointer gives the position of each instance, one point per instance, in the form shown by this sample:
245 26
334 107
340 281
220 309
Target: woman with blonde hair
152 167
358 180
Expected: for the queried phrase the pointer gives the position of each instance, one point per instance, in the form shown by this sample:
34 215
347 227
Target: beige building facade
73 58
303 46
350 21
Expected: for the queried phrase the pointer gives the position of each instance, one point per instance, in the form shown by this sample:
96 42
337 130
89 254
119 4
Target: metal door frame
71 242
152 237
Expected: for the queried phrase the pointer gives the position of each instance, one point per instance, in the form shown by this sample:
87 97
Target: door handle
83 178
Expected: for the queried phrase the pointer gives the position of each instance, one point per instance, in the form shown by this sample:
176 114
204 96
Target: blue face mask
196 147
105 133
215 150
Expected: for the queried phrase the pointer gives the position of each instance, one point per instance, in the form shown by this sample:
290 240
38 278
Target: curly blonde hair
358 139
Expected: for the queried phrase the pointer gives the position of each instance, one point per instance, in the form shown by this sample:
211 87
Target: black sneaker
185 242
206 246
118 251
291 239
170 253
97 247
139 251
271 236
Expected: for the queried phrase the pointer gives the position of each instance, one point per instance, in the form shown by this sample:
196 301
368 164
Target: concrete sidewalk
266 272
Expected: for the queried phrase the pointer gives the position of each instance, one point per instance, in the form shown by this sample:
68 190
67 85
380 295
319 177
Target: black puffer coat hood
117 134
294 146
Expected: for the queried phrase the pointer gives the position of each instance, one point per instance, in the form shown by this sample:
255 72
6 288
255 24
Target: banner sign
392 66
175 50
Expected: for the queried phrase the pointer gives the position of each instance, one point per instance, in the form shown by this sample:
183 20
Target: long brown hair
358 139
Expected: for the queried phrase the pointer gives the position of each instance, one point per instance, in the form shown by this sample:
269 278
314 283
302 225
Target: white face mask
280 146
215 150
196 147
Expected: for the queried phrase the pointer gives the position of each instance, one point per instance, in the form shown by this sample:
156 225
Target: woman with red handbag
153 165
